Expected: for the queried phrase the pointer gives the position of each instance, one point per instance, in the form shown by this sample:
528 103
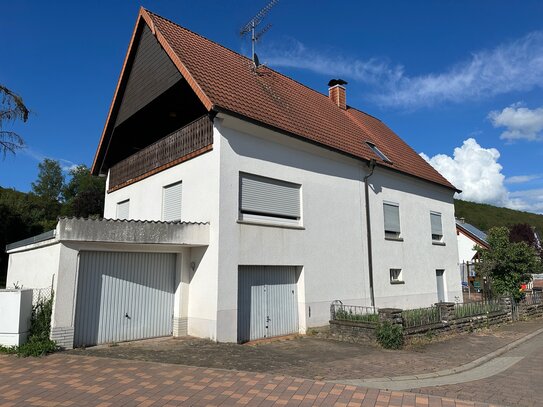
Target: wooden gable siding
152 73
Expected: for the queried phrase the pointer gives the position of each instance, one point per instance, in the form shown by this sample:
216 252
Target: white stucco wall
331 248
465 248
330 253
33 268
200 201
416 255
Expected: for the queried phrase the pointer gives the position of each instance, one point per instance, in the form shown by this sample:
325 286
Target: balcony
187 142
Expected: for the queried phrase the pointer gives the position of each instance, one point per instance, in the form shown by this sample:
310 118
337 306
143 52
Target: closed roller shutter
171 207
270 197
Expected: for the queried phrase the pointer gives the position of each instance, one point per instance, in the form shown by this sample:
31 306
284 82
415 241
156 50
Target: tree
84 194
522 232
507 264
50 181
12 109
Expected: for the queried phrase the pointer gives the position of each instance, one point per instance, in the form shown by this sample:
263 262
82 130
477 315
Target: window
396 276
378 152
392 220
123 209
171 202
264 198
437 230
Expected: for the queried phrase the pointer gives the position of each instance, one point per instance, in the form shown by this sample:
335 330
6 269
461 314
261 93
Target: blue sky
444 75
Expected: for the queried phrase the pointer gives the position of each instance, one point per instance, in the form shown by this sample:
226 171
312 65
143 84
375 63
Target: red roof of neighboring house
226 81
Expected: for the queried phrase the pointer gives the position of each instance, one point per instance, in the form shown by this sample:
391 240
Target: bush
389 336
38 343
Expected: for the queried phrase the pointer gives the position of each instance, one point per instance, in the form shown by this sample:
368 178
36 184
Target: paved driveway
67 380
320 359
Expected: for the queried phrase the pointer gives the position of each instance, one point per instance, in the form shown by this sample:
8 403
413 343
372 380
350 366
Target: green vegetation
28 214
343 315
507 264
38 343
389 336
421 316
485 216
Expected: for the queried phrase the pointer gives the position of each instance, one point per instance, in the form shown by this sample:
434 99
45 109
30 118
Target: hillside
485 216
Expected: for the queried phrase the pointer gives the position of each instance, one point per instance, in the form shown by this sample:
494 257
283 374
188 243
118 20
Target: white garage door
267 302
124 296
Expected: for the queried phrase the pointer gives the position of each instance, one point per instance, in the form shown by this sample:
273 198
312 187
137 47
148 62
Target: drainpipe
371 166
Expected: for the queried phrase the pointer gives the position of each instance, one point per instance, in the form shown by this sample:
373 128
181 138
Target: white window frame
123 202
164 188
254 217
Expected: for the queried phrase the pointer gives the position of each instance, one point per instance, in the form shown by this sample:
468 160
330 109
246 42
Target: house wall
33 267
200 201
416 255
331 248
465 248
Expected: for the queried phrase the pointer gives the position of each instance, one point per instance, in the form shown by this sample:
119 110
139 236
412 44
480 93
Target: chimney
338 95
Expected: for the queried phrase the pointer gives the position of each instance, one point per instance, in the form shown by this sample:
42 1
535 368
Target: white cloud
521 123
474 170
294 54
522 179
65 165
512 66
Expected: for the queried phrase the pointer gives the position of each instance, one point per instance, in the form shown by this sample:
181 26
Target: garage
124 296
267 302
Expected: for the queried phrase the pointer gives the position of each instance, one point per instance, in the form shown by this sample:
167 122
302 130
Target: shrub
389 336
38 343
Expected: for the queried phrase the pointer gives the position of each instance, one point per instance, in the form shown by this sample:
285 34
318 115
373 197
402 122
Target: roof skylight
378 152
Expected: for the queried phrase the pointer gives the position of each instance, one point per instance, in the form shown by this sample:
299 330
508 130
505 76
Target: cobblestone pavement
321 359
67 380
520 385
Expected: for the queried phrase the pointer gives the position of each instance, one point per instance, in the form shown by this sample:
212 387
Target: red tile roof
226 81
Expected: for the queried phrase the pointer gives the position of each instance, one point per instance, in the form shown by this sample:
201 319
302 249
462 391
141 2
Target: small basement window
396 276
268 199
378 152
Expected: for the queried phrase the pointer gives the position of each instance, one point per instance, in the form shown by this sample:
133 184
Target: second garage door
124 296
267 302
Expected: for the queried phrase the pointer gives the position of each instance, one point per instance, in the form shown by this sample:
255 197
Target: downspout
371 166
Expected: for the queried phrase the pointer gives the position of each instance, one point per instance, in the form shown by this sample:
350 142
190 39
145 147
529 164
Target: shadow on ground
318 358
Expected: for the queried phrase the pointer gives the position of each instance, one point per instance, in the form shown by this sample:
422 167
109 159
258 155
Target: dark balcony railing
188 139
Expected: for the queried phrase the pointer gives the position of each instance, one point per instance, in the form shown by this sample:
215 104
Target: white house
237 206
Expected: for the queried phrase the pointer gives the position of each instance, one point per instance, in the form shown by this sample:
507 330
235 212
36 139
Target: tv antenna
251 26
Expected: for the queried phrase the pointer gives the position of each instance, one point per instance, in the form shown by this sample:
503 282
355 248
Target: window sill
397 282
270 224
439 243
394 239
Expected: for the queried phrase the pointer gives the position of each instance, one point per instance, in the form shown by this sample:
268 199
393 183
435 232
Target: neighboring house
469 238
236 200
